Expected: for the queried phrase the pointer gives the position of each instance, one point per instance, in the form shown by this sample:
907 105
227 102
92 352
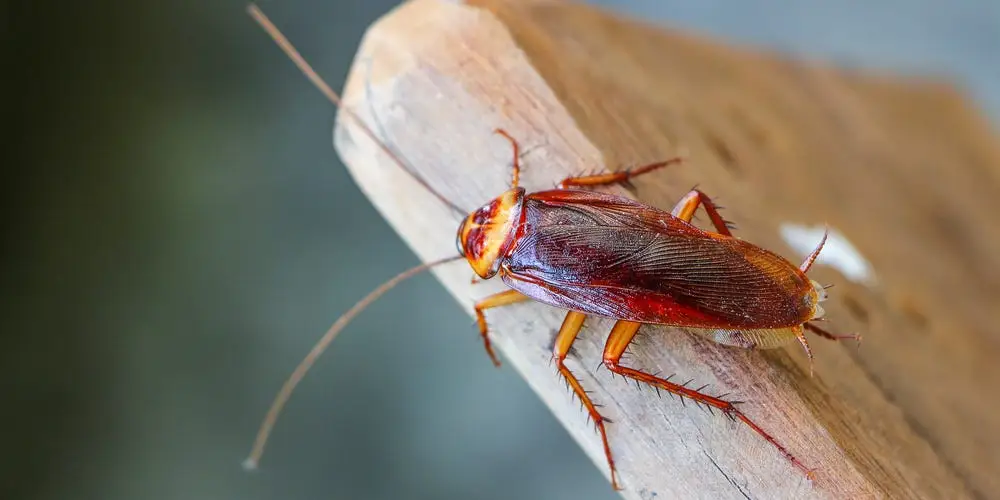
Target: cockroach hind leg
621 336
560 349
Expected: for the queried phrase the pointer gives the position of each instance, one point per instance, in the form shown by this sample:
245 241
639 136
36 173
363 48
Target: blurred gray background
179 231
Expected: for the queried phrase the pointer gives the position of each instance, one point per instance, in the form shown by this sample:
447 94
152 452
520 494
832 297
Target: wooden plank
906 171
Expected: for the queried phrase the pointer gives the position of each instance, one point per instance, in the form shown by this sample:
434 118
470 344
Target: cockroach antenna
330 94
300 371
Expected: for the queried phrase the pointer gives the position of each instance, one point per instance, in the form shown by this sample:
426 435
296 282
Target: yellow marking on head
487 233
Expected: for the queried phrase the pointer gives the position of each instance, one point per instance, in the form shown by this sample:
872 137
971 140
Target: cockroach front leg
621 177
500 299
517 156
560 349
684 210
621 336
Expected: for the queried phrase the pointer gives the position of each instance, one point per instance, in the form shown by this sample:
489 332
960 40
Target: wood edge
341 145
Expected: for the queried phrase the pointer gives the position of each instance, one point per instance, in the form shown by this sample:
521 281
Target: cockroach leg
564 341
615 177
500 299
517 155
832 336
684 210
800 334
621 336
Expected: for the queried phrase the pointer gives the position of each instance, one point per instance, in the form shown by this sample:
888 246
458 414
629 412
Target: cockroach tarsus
596 254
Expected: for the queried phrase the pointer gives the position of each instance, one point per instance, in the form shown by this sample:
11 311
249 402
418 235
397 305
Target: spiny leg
832 336
616 177
621 336
496 300
564 340
685 209
800 334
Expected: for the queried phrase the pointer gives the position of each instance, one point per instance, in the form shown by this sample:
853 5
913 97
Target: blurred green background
180 231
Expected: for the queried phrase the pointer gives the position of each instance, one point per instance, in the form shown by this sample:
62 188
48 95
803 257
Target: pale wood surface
908 172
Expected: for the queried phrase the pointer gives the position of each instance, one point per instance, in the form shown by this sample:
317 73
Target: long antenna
314 77
300 371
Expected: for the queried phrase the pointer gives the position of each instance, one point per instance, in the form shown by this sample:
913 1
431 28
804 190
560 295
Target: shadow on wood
905 170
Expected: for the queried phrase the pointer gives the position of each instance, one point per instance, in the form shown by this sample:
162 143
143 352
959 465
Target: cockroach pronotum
609 256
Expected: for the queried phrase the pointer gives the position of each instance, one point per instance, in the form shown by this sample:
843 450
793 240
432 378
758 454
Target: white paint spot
838 252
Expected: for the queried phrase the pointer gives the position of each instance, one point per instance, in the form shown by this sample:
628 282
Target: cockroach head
486 234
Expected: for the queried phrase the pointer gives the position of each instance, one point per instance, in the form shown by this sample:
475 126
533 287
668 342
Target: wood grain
906 170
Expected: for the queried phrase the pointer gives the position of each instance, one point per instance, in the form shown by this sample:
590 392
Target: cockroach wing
616 258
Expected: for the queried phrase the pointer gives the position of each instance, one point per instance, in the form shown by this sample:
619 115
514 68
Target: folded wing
641 264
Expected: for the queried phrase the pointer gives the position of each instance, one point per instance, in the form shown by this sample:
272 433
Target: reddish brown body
613 257
609 256
604 255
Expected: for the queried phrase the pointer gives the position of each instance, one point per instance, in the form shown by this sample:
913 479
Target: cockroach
609 256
